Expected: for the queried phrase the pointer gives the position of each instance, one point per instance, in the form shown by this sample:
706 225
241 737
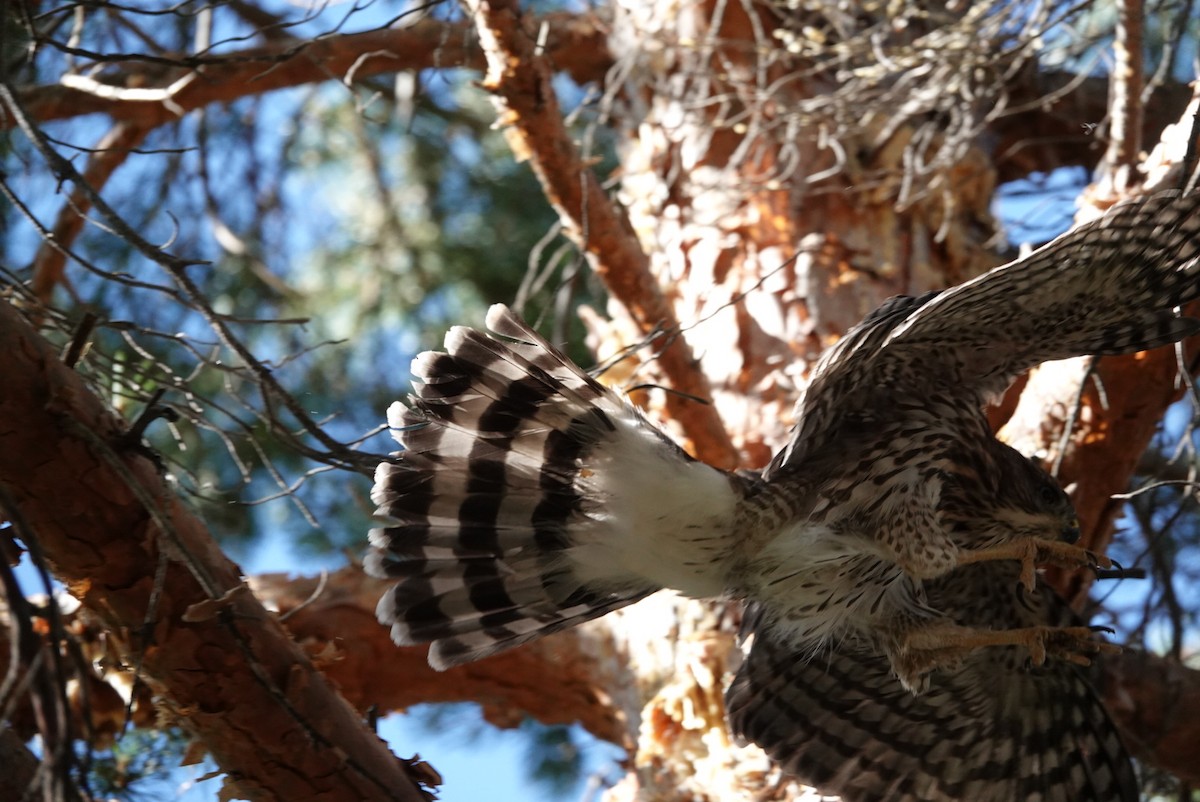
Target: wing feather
992 730
1107 287
1110 286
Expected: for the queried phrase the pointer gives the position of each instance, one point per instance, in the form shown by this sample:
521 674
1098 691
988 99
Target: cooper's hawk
530 498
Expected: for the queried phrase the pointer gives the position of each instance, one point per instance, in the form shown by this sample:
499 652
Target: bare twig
109 153
214 648
176 267
147 97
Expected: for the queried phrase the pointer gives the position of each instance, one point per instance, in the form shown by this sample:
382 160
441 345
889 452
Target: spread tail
530 498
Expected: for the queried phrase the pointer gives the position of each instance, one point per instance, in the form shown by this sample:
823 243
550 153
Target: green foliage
341 230
373 217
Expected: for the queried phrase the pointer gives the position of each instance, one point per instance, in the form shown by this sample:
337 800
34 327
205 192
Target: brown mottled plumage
880 546
990 729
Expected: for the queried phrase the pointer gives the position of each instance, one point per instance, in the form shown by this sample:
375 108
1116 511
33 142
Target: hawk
874 551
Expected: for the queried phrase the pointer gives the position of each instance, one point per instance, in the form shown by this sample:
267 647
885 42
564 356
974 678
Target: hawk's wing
1107 287
991 730
845 725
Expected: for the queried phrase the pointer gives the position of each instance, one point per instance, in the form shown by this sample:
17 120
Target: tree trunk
765 263
756 223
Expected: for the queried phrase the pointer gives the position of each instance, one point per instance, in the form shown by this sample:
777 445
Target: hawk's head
1013 496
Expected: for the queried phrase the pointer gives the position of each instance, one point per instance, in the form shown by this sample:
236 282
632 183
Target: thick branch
1155 700
1156 704
1053 126
1109 411
520 81
127 547
574 45
1125 136
1109 434
557 680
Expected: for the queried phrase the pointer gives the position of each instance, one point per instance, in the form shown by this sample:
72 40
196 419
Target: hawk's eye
1050 495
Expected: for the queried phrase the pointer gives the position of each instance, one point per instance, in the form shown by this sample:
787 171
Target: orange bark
573 43
128 548
520 82
557 680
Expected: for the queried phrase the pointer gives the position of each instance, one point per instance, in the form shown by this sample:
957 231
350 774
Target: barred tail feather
527 499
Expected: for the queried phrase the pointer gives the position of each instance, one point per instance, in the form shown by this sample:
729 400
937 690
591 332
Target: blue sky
476 760
494 767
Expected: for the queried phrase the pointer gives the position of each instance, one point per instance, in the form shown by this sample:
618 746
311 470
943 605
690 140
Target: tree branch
520 82
1156 705
1155 701
143 94
1125 135
128 548
1052 125
557 680
577 676
1125 397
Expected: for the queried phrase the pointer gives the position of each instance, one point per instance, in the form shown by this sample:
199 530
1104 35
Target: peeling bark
519 81
638 691
717 235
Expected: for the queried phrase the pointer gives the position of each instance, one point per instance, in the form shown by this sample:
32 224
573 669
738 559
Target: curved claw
1119 571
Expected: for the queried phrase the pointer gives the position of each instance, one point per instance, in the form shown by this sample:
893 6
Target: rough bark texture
720 219
520 82
131 551
715 211
718 189
767 264
657 693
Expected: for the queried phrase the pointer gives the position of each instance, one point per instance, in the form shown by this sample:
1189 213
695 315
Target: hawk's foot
1032 552
929 648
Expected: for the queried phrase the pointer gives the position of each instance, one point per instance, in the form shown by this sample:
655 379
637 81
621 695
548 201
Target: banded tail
530 498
